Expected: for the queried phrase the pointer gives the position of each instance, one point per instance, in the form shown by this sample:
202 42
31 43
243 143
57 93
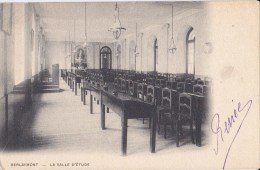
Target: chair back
188 87
201 82
166 97
132 88
150 94
206 90
123 85
185 102
198 89
141 91
180 86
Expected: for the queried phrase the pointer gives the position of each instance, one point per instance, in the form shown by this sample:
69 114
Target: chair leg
181 131
159 122
172 129
191 132
177 134
164 130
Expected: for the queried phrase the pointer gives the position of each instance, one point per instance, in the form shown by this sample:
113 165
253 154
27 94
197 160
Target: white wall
55 54
167 62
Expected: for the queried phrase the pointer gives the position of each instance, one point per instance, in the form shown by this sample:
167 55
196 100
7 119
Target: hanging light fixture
86 36
116 27
136 49
172 47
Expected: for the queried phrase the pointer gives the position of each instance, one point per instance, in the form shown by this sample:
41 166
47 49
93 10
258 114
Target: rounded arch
132 64
105 61
153 52
190 51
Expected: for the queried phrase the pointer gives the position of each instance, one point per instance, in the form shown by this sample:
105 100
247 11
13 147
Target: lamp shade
172 47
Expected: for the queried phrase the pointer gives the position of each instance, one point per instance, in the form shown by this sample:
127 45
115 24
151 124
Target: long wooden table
198 108
126 107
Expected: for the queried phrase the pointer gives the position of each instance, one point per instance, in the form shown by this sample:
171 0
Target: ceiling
58 18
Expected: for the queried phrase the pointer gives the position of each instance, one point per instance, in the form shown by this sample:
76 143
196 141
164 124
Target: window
118 56
132 59
155 54
105 58
190 68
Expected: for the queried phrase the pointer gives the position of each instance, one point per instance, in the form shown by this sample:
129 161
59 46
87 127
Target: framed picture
6 17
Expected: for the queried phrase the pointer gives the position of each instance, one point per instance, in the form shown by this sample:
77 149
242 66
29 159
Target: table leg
153 131
91 103
103 115
198 127
76 88
124 134
81 94
84 97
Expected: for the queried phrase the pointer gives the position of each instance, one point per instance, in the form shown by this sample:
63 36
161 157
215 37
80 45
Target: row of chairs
129 86
173 107
173 98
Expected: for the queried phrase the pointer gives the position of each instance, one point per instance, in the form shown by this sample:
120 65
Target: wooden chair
123 85
141 91
201 82
132 86
150 94
198 89
169 117
180 87
208 81
164 108
184 115
188 87
206 90
151 81
188 80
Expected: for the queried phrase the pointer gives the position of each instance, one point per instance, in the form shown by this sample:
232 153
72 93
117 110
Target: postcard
129 85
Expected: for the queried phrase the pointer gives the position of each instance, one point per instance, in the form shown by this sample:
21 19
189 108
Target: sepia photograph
129 85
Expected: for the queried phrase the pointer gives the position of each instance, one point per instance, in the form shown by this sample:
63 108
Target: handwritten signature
219 130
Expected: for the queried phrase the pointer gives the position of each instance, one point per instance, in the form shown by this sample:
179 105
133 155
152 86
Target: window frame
189 41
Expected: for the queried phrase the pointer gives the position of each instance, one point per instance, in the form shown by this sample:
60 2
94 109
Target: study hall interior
124 78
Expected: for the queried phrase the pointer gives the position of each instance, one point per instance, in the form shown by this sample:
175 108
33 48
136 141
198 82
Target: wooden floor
60 123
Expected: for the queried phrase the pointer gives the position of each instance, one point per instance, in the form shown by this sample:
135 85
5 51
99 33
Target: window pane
191 56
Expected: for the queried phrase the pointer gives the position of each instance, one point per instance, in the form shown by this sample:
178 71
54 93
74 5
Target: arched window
105 58
155 54
118 56
190 51
132 59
